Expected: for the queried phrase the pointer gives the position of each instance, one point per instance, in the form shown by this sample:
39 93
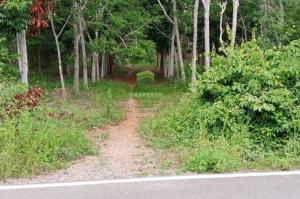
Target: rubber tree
195 38
223 8
15 19
174 22
206 4
234 21
58 51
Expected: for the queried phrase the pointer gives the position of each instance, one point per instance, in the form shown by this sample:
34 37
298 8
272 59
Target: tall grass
53 134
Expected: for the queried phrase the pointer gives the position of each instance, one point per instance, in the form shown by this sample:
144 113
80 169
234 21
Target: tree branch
165 12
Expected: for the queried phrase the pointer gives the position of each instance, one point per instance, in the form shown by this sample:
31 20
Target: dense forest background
133 32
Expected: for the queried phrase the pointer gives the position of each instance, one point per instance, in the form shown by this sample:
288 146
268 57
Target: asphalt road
282 186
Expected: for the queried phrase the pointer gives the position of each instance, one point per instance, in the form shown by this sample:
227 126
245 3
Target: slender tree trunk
97 59
23 59
172 54
58 57
103 65
178 41
162 61
245 29
20 58
157 58
60 68
234 21
281 13
83 49
264 10
195 37
94 66
167 64
223 8
98 68
176 64
76 61
206 4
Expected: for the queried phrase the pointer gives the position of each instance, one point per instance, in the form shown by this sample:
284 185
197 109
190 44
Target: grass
50 136
151 95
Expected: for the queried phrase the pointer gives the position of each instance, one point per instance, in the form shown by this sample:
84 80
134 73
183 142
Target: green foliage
145 76
243 113
251 91
14 15
8 73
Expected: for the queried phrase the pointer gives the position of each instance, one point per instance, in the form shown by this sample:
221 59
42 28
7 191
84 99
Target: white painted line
150 179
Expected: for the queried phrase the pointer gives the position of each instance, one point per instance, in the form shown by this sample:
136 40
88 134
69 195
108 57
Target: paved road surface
282 185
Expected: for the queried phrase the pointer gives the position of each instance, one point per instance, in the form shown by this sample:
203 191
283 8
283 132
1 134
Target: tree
83 50
206 4
195 38
234 21
223 8
174 22
56 38
76 57
15 19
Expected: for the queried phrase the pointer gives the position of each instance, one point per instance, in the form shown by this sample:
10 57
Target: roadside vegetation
242 114
38 135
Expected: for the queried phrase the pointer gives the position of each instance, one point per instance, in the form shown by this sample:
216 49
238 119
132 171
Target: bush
145 77
249 100
252 91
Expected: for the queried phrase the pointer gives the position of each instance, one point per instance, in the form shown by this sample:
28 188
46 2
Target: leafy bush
252 91
145 76
248 101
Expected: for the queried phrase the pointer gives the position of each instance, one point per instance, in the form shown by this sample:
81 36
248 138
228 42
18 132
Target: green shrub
252 91
211 161
250 98
145 77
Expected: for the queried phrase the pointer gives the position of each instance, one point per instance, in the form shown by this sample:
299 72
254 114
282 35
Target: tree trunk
167 65
234 21
172 55
94 66
206 4
176 64
60 68
76 61
264 10
223 8
245 29
58 58
195 37
83 49
97 57
281 14
162 61
103 65
23 59
178 41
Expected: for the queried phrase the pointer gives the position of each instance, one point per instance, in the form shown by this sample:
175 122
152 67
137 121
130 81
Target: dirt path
123 154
